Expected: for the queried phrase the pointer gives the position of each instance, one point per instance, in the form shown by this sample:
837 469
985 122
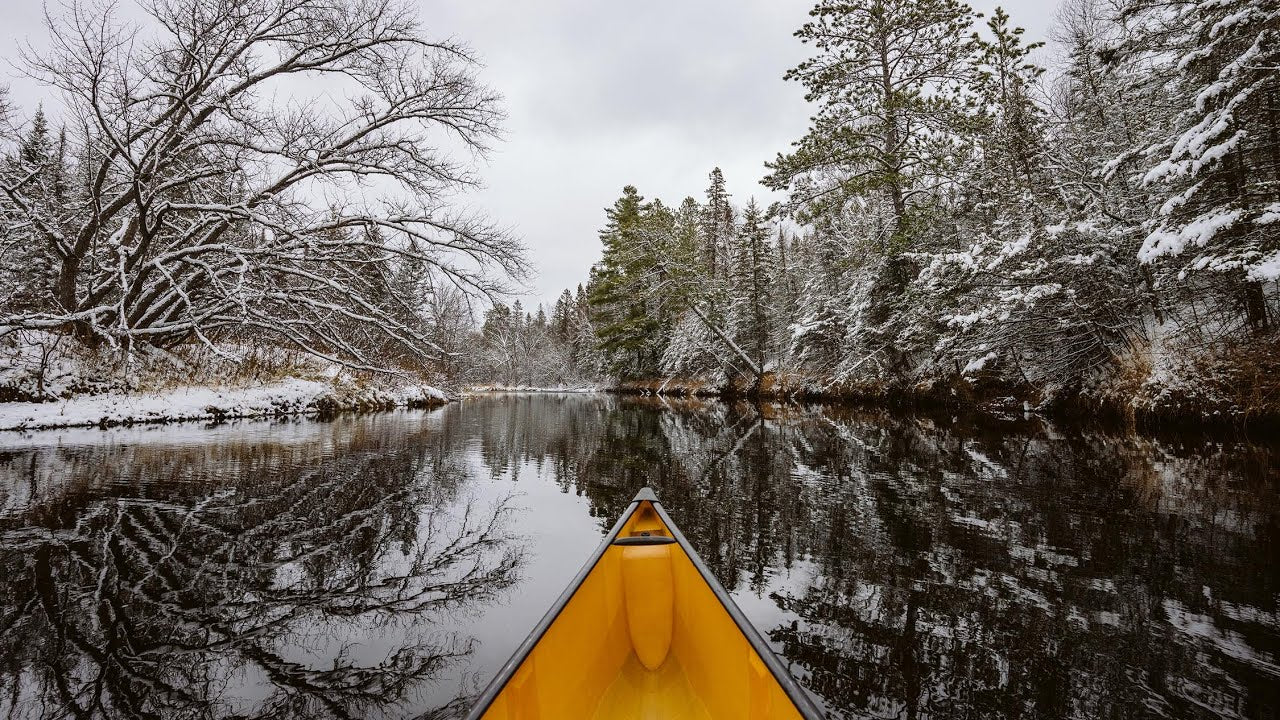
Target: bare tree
211 195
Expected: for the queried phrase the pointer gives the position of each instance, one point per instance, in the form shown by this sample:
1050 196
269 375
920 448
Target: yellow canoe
644 631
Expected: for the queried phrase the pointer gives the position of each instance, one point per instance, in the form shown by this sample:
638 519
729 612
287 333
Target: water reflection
903 566
915 568
135 594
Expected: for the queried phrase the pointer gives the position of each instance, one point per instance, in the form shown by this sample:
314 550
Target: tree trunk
1255 307
728 341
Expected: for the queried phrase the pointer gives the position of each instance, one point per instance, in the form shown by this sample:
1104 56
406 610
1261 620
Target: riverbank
48 381
291 396
551 389
1240 396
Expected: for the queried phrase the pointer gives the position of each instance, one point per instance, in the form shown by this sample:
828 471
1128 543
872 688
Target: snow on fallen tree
249 168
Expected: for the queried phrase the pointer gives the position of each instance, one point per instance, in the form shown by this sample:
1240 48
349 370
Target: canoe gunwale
517 658
795 693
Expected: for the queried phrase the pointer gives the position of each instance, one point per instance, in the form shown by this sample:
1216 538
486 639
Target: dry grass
1247 374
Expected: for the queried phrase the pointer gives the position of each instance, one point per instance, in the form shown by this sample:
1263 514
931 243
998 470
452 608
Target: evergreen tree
1217 164
717 227
890 78
38 168
787 303
562 317
619 299
585 350
518 320
34 152
752 311
1011 130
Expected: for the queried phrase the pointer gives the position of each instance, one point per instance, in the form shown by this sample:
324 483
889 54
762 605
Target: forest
963 225
970 219
205 204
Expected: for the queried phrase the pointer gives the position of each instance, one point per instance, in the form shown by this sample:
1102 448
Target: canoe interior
644 636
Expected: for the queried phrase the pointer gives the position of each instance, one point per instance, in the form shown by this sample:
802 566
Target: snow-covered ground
290 396
53 382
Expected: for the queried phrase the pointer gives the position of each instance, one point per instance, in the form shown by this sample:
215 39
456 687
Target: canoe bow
644 629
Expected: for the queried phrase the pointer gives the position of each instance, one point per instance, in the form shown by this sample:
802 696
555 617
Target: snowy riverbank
290 396
1240 394
554 389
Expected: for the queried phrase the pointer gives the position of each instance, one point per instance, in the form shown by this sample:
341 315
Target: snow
966 320
1016 246
1197 232
1268 269
978 363
1270 214
1180 199
1217 152
1029 296
1080 259
478 389
291 396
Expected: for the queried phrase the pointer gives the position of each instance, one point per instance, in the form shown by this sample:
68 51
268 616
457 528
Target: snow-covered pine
892 131
751 311
627 310
1216 167
890 80
717 228
961 219
1038 280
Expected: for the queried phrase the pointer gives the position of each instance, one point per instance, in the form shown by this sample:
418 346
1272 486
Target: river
385 565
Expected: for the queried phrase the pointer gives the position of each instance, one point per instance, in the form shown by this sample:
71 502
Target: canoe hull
644 631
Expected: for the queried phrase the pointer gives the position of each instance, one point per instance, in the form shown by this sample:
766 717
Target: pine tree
34 152
39 169
562 317
690 350
619 298
890 79
752 310
1011 131
585 350
1219 161
717 227
518 320
787 284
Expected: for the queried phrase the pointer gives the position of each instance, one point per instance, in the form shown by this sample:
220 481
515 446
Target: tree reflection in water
904 567
920 568
145 597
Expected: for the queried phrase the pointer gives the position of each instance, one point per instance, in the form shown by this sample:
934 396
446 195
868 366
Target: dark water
384 566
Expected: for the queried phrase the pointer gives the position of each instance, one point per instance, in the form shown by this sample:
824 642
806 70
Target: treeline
955 213
517 348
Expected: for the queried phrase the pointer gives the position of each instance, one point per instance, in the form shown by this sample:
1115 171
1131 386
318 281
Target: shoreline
1157 412
533 389
289 397
295 397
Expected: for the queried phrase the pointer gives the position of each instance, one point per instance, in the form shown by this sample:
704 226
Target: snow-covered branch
206 192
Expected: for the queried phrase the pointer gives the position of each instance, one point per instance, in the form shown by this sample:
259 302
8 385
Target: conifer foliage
955 212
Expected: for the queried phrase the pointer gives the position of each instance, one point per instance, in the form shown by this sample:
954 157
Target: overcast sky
602 94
